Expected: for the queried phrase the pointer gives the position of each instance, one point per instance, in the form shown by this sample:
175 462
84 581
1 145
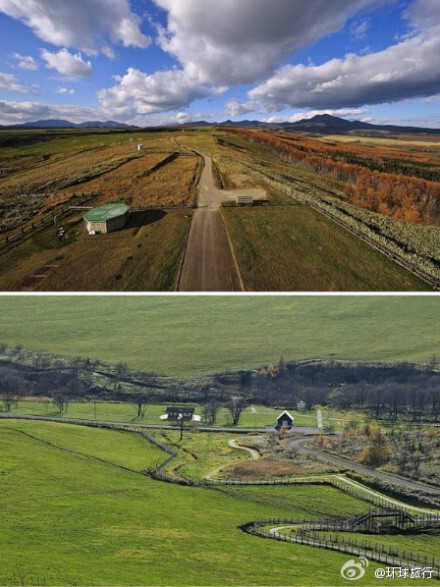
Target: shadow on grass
140 219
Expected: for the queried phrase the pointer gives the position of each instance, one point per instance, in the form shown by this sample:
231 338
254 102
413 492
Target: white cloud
424 14
342 112
66 63
359 30
68 91
18 112
242 41
88 25
219 90
139 93
9 82
236 108
25 61
431 100
408 69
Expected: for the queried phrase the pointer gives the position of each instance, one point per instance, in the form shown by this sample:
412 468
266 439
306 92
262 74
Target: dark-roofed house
180 413
285 420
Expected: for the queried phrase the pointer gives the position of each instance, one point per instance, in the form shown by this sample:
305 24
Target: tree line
379 182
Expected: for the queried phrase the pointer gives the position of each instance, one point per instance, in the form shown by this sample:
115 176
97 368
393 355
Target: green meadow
76 510
192 335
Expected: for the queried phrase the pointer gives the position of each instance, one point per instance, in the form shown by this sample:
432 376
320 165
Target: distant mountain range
56 123
327 124
321 124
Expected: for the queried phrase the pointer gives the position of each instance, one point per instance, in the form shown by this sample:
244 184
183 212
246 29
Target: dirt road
209 263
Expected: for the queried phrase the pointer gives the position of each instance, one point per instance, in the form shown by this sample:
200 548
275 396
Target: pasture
190 336
76 509
295 248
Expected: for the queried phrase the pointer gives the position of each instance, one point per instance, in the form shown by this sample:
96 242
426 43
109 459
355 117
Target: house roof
287 414
107 212
180 410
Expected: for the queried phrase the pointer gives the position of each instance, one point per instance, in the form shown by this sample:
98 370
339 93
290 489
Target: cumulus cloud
237 42
18 112
9 82
66 63
424 14
25 61
68 91
88 25
236 108
141 93
408 69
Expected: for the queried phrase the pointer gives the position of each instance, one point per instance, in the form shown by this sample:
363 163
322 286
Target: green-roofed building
106 218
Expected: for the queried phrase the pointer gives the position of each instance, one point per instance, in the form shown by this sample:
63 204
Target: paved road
346 464
209 263
84 422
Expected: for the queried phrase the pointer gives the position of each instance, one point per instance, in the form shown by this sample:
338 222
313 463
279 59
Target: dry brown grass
268 468
174 184
143 257
59 170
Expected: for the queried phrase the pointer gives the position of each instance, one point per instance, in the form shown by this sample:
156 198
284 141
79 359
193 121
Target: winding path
233 444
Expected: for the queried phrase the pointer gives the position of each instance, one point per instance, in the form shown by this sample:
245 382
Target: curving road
346 464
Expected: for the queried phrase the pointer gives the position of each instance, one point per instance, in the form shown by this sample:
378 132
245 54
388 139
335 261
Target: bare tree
210 411
9 400
61 402
235 407
141 405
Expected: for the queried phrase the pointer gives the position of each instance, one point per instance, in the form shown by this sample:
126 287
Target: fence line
373 551
25 232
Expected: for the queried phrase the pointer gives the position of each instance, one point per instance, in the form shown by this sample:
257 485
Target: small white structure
140 148
244 200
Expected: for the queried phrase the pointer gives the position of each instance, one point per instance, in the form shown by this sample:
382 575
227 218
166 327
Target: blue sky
164 61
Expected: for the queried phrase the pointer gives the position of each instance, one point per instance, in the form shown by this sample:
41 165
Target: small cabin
243 200
284 421
180 413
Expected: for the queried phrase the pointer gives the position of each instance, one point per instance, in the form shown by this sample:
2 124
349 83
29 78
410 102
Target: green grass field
190 335
71 515
127 412
295 248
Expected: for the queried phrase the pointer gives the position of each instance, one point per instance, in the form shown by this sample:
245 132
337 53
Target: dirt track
209 263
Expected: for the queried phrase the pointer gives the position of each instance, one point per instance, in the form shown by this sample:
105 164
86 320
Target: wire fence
27 231
302 533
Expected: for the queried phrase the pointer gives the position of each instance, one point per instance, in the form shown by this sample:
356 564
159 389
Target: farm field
252 416
144 256
294 248
78 510
244 333
106 168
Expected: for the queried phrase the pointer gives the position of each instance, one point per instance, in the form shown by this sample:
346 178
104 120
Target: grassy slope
69 519
298 249
189 335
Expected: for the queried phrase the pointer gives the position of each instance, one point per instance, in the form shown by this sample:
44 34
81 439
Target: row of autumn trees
401 195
